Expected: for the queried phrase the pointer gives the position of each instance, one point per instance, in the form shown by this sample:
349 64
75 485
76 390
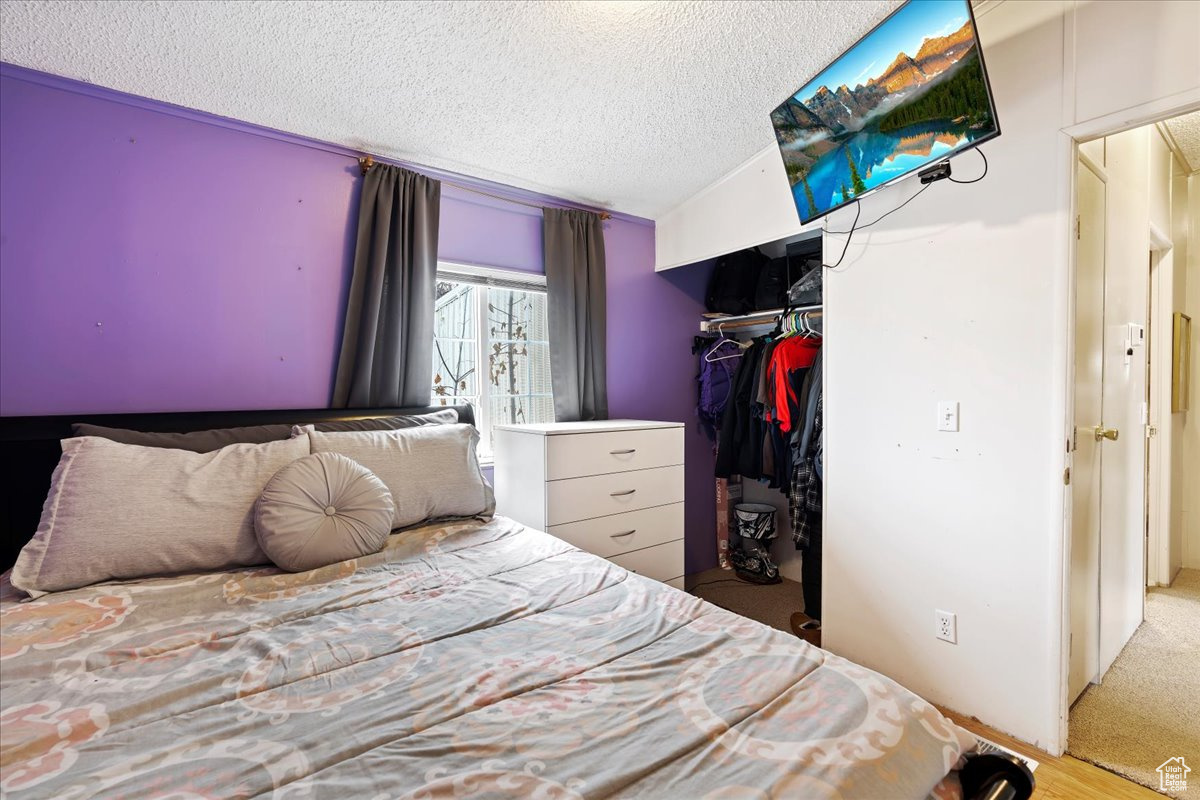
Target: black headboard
30 449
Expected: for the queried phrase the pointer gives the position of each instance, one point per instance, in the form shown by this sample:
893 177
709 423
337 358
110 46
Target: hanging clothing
810 391
763 393
740 440
804 499
787 359
719 360
764 410
810 577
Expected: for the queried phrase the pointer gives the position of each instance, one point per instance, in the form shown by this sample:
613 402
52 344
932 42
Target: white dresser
613 488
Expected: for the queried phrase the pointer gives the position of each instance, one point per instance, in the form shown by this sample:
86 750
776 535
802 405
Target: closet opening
767 435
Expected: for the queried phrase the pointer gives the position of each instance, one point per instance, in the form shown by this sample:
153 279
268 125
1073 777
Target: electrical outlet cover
946 626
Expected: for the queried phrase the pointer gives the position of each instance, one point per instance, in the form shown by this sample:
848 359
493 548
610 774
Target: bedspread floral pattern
470 660
47 624
41 740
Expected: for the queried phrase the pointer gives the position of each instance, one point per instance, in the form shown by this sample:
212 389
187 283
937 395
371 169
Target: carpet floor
771 604
1147 709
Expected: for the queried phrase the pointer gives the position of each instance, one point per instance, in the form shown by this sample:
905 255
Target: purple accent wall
479 230
153 263
652 318
160 259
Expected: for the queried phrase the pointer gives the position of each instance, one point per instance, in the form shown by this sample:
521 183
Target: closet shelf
757 319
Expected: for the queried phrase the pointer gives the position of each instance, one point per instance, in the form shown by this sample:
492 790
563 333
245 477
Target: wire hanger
721 340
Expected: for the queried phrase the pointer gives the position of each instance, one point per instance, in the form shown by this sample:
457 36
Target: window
491 347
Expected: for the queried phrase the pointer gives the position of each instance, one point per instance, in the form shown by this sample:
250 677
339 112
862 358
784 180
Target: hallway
1147 707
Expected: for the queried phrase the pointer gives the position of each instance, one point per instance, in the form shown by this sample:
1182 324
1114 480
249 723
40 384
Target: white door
1086 463
1123 469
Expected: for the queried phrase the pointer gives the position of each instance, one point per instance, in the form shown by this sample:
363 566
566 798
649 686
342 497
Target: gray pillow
321 509
123 511
446 417
431 471
196 441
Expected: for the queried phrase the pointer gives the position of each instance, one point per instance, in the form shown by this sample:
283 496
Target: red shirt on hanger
791 354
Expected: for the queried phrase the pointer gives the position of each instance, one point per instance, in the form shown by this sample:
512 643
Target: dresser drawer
620 533
662 562
601 495
576 455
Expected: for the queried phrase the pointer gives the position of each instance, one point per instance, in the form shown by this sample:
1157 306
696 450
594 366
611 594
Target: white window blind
491 346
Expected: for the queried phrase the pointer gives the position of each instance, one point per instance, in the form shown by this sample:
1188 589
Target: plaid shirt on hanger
804 497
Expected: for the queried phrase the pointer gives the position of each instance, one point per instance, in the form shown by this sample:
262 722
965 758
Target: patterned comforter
470 660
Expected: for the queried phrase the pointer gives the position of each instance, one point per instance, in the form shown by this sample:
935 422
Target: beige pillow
322 509
125 511
431 471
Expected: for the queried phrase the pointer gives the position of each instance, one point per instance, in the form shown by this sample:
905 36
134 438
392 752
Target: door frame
1107 125
1158 456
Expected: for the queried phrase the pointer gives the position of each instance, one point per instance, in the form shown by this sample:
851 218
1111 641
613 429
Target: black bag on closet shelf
734 280
772 289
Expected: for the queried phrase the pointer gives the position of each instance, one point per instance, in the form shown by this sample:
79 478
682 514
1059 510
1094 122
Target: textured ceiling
629 105
1185 130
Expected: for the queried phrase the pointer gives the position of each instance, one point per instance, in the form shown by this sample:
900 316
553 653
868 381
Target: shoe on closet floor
807 628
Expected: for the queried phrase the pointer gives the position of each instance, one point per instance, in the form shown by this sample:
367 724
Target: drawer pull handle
624 533
622 452
621 494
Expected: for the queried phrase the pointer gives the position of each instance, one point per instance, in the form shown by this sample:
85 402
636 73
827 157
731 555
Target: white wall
749 206
958 297
1129 52
1190 483
963 295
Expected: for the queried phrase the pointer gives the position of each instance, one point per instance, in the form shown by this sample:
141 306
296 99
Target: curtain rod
366 162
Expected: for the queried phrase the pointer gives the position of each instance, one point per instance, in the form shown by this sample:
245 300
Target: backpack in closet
734 282
718 363
773 281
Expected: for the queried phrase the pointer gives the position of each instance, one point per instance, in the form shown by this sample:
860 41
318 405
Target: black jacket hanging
739 450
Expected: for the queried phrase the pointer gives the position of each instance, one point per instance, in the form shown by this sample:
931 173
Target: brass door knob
1107 433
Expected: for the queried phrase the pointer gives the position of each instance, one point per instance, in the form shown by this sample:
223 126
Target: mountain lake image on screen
920 94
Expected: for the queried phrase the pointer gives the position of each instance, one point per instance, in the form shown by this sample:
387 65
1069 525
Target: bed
470 659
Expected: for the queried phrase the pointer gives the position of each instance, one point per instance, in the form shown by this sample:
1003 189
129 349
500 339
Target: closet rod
366 162
754 320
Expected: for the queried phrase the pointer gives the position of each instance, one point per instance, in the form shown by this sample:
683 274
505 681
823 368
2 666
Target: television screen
911 92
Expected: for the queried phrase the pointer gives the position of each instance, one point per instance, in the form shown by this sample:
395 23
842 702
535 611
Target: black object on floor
996 776
749 549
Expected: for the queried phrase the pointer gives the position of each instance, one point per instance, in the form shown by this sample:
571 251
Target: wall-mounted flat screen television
911 92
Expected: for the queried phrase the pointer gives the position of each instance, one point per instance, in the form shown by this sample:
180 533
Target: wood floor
1064 778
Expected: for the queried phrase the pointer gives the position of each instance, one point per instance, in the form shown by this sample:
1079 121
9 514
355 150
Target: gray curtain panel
574 253
387 341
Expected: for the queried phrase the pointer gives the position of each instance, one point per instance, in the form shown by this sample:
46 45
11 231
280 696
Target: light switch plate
948 416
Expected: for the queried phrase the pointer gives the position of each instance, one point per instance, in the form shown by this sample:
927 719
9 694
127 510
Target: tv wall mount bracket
937 172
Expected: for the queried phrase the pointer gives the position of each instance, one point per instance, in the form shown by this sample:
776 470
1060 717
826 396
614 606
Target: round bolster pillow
321 509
